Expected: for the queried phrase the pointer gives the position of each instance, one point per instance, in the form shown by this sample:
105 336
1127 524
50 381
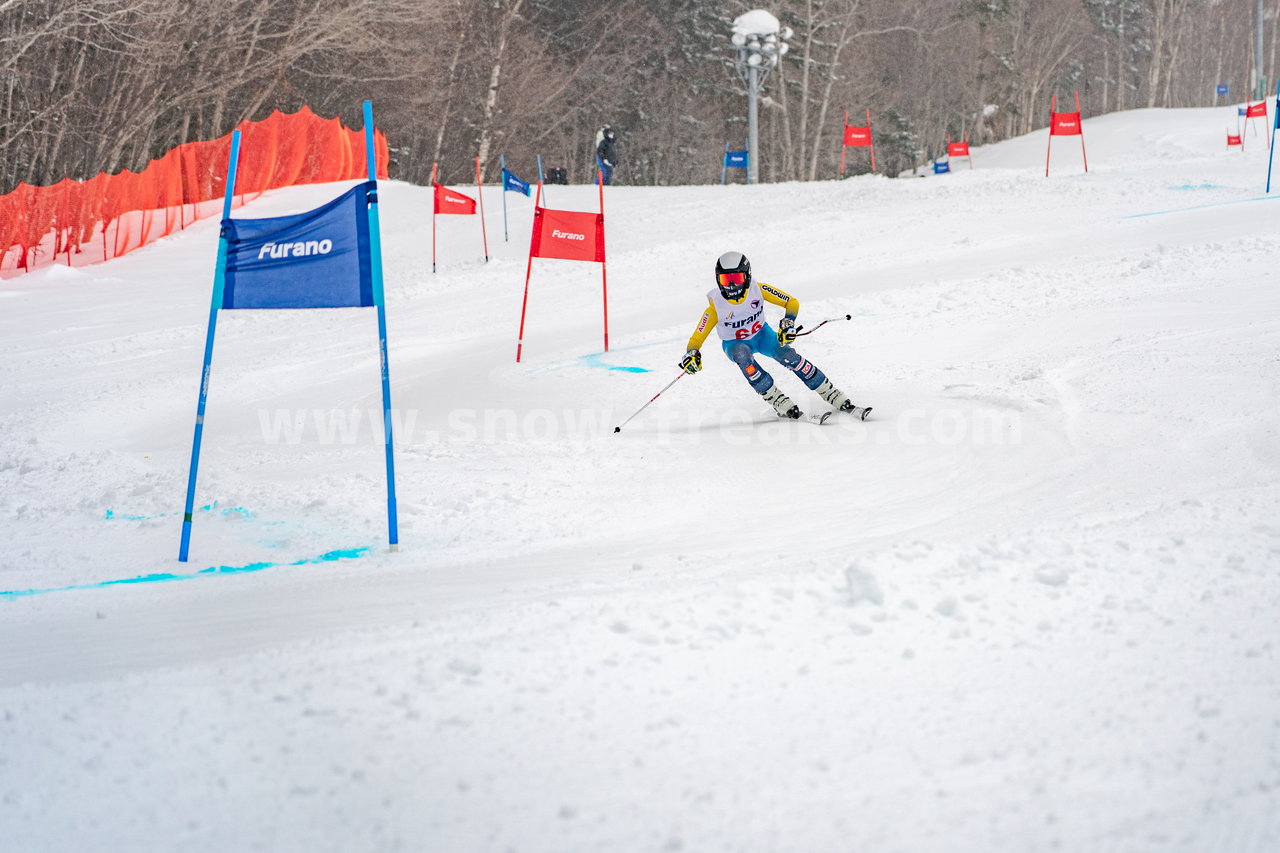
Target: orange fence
84 222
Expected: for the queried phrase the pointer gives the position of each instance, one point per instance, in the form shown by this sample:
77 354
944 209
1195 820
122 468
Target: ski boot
840 400
781 403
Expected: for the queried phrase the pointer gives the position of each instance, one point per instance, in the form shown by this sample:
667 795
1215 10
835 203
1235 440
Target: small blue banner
317 259
941 168
1223 89
735 159
1241 111
512 183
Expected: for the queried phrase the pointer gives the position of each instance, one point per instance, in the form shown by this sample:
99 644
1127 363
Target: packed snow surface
1032 604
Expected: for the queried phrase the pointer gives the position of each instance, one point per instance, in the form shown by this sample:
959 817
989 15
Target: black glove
786 331
692 361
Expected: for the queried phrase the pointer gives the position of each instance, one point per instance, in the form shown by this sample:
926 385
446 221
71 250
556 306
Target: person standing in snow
736 311
606 153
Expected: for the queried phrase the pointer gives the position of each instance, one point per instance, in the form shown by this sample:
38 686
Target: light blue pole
1272 155
219 282
541 182
724 165
502 159
379 301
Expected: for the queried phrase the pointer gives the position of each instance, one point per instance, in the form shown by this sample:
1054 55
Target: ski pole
800 334
646 405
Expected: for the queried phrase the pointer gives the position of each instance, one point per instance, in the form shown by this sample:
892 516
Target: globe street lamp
760 42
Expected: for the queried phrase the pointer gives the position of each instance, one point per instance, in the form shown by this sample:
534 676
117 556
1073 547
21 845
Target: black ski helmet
733 287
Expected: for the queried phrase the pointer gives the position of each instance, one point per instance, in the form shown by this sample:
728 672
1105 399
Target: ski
806 418
858 412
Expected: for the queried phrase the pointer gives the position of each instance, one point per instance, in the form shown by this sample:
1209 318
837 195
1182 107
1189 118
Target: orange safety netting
84 222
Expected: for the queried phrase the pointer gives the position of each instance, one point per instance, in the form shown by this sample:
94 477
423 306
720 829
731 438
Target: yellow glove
692 361
786 331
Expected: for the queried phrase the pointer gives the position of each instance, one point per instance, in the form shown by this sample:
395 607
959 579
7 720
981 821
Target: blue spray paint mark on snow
596 359
1200 206
112 515
166 577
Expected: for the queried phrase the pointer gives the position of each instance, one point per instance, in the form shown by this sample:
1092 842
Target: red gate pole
871 138
1082 154
480 195
434 196
533 241
1053 105
843 147
604 276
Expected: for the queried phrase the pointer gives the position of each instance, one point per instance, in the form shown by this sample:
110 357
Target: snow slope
1030 605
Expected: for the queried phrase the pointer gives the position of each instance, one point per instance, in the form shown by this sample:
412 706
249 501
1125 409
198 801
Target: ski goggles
733 278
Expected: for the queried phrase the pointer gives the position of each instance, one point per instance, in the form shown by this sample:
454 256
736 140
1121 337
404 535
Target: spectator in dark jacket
607 153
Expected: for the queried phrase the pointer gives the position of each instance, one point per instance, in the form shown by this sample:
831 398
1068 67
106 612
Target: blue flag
1222 89
735 159
514 184
941 168
317 259
1242 111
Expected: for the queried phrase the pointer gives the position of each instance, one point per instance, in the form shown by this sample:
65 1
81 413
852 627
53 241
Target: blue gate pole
219 282
1272 155
724 165
502 159
379 301
540 182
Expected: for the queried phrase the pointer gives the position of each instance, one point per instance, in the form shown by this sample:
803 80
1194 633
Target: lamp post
760 41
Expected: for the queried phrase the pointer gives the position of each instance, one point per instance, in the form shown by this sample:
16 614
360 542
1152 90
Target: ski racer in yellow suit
736 311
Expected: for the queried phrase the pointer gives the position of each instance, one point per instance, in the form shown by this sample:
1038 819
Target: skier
736 310
606 153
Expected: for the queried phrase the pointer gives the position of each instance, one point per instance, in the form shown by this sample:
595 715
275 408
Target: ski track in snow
1030 605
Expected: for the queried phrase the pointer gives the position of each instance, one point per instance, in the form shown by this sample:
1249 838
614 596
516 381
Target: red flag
567 234
1234 140
1065 124
572 236
857 137
957 149
1258 110
449 201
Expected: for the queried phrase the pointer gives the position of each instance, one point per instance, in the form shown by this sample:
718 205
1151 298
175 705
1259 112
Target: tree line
88 86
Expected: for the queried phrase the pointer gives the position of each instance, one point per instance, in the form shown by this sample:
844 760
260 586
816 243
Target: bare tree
100 85
1166 18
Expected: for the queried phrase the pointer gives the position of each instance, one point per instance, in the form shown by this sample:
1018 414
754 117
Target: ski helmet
733 275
